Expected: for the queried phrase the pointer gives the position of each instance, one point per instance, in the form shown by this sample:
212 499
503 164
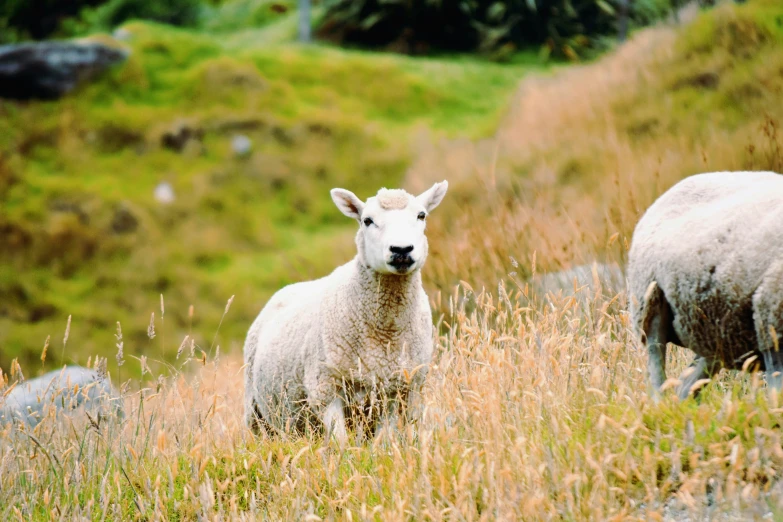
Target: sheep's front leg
768 319
333 419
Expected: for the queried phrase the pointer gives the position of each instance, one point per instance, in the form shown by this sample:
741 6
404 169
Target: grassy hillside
584 152
83 235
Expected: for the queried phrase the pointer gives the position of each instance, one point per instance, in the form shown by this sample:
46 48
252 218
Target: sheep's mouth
402 263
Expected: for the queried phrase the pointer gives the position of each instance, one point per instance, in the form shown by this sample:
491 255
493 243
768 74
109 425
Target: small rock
610 277
164 193
65 390
122 34
241 145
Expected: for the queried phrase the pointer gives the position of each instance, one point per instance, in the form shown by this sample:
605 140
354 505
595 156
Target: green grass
250 15
318 117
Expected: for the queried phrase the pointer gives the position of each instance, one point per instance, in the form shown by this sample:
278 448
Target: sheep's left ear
347 202
432 197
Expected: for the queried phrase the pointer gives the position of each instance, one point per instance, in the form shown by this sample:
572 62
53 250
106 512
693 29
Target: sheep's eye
421 216
368 221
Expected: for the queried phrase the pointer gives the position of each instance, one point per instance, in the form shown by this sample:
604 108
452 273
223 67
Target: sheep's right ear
348 203
432 197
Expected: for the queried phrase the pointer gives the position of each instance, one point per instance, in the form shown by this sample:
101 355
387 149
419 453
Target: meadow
536 405
77 177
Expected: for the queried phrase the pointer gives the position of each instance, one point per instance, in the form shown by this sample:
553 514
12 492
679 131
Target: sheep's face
391 236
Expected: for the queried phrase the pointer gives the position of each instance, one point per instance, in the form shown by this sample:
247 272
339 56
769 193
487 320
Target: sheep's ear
432 197
347 202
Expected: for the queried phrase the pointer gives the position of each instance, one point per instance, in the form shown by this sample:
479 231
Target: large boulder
71 389
49 70
586 279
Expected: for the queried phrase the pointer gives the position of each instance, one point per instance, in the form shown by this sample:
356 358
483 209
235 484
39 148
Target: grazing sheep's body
65 390
322 349
705 272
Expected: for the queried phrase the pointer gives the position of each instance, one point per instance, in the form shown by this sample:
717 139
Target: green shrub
36 19
564 27
239 14
173 12
645 12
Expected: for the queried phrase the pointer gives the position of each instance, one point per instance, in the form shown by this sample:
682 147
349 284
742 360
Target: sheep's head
391 236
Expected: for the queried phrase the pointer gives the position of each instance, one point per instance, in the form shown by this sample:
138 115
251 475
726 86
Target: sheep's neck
390 297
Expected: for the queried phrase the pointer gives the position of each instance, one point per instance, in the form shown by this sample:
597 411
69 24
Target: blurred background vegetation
134 186
563 27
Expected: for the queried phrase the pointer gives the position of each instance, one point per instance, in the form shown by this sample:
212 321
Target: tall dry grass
531 413
585 150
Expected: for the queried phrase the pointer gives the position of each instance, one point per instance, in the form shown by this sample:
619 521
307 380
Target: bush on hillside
23 20
173 12
36 19
40 19
239 14
564 27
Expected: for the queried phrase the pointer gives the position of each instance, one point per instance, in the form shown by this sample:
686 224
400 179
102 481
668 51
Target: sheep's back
707 243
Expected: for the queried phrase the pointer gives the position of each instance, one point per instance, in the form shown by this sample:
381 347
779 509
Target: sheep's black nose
401 250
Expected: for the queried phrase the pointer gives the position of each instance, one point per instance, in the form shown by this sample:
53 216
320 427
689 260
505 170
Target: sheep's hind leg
701 368
657 328
768 319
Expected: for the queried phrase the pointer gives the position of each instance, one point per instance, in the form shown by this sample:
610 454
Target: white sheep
705 272
356 341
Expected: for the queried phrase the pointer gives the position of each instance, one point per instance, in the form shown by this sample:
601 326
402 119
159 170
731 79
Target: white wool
393 199
360 334
705 271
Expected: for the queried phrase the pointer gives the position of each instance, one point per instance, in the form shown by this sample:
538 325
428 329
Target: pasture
536 405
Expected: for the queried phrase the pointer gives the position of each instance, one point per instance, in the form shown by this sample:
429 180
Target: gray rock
49 70
31 400
588 277
122 34
241 145
553 286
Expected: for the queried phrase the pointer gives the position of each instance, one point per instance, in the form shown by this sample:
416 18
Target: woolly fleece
356 335
705 271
